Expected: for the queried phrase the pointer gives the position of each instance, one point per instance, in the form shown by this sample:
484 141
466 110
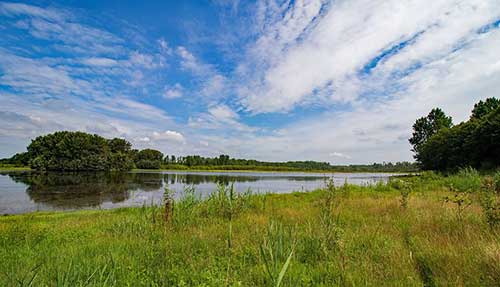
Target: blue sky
337 81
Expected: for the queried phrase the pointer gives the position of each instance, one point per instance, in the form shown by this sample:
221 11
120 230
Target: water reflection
29 191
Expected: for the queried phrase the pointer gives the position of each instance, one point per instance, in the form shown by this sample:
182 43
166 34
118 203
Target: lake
28 191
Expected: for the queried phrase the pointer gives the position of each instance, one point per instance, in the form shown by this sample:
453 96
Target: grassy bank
9 167
427 231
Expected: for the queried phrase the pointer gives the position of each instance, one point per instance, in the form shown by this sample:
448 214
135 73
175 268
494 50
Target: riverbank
400 234
266 170
14 168
27 168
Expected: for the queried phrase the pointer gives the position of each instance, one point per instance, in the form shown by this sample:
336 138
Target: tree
119 145
425 127
74 151
474 143
149 159
19 159
482 109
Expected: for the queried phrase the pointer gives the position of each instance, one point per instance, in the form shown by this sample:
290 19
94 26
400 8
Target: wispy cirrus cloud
349 48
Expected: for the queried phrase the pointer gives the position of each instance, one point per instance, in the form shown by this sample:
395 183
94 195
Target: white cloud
212 84
164 46
190 63
339 154
311 48
144 60
223 113
100 62
221 118
24 9
173 92
169 136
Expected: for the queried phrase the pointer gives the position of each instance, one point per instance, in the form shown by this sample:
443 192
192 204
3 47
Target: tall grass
276 251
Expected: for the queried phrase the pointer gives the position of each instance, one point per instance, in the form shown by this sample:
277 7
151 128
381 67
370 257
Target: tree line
438 144
78 151
224 162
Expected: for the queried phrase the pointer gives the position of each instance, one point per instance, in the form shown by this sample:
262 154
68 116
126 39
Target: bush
148 164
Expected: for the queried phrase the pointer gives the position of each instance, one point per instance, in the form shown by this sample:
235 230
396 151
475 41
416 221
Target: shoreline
7 169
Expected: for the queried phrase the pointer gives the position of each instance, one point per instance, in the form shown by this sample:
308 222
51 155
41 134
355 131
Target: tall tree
427 126
482 109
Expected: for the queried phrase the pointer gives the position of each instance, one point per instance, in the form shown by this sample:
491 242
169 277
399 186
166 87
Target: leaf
284 268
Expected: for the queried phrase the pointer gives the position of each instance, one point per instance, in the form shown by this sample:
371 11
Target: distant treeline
78 151
440 145
224 162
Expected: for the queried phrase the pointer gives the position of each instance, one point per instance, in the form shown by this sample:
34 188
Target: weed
168 203
186 207
461 201
404 189
490 202
496 181
276 251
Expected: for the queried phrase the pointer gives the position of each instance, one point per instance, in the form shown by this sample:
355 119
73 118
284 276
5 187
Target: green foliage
148 159
276 251
404 188
474 143
490 200
496 181
465 180
226 202
224 162
17 160
482 109
329 218
461 200
426 127
73 151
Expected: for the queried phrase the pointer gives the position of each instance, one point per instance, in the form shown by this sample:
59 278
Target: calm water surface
22 192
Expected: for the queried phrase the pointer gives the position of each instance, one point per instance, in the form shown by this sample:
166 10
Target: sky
340 81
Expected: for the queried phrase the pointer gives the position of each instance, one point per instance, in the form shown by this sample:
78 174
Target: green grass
13 168
349 236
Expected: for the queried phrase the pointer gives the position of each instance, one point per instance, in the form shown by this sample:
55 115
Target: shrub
490 201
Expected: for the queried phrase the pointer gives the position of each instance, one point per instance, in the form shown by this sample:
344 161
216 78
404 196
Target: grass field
421 231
